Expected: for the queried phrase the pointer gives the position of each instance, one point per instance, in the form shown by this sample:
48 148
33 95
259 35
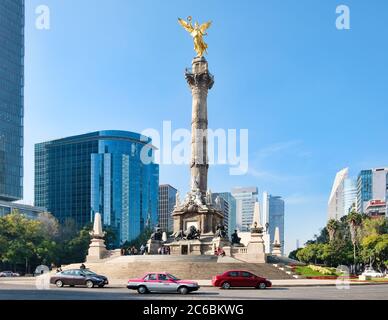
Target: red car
161 282
237 278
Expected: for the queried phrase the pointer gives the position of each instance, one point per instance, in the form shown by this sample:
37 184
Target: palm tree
332 227
354 220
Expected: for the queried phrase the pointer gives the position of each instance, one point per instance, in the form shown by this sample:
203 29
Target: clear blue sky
313 98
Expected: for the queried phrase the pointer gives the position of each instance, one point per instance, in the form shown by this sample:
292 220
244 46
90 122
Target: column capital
197 80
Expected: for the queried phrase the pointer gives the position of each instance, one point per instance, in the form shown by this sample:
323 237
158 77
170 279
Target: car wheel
142 290
89 284
59 283
262 285
226 285
183 290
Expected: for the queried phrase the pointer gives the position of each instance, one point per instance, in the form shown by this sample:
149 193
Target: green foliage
311 253
292 254
375 249
354 238
26 243
23 241
110 237
75 249
332 227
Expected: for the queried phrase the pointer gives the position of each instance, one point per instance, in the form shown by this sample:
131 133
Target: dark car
78 277
237 278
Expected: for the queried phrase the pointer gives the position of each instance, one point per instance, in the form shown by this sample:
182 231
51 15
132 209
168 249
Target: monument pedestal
255 249
276 250
97 250
202 217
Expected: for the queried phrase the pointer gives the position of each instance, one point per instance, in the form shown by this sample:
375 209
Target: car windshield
172 277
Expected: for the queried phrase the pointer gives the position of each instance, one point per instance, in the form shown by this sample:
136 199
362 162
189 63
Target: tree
75 249
311 253
374 226
354 220
110 237
50 224
375 250
332 227
23 241
293 254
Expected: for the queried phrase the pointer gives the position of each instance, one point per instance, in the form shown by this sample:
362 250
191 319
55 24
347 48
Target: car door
151 281
79 278
247 279
165 283
233 278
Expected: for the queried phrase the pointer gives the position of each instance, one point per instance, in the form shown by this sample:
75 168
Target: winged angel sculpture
197 32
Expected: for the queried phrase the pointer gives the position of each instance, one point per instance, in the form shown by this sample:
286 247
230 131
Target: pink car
161 282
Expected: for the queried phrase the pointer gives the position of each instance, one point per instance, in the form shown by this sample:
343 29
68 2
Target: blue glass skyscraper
11 99
103 172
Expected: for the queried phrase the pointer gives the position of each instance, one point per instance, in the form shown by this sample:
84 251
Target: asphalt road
22 292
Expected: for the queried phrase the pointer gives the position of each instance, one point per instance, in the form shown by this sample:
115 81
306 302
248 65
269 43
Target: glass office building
105 172
364 189
273 215
231 221
167 201
11 99
245 206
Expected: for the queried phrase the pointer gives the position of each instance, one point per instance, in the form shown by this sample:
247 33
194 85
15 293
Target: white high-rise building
343 195
350 194
245 206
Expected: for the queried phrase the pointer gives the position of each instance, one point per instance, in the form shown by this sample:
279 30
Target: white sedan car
372 273
9 274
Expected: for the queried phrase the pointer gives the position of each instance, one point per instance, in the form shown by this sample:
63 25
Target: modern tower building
224 207
350 195
167 201
231 211
11 99
343 195
110 172
273 217
372 184
245 205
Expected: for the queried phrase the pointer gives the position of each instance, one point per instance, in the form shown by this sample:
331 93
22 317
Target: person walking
82 267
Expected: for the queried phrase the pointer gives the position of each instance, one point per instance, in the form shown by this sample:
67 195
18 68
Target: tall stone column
200 81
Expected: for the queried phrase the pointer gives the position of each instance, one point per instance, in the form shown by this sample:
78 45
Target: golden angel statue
197 32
